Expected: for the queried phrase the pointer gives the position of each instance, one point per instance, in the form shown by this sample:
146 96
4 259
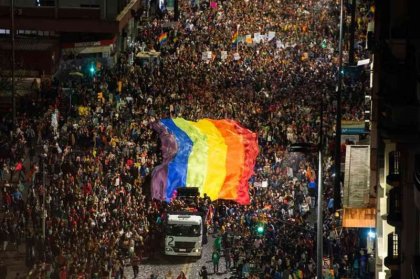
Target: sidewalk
14 260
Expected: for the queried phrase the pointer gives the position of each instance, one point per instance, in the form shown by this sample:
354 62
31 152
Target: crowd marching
98 151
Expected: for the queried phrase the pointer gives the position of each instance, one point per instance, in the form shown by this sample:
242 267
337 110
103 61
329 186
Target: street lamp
337 155
308 148
311 148
43 158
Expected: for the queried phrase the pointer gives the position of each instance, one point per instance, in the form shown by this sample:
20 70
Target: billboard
352 127
359 217
357 209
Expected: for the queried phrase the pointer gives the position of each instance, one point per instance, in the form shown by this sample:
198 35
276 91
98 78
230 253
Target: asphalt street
191 267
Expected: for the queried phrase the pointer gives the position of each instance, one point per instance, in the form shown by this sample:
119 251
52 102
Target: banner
279 44
213 5
359 217
257 38
248 39
223 55
206 55
271 35
356 176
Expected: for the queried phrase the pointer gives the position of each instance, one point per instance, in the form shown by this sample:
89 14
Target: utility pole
337 160
352 31
320 218
43 196
12 34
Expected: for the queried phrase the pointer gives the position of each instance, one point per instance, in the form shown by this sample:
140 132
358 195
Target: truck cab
184 234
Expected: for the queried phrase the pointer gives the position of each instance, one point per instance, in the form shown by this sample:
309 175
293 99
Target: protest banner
248 39
204 56
257 38
279 44
213 5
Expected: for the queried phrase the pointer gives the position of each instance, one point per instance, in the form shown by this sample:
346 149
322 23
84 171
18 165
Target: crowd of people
89 157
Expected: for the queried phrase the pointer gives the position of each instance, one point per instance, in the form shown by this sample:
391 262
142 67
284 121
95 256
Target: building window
395 245
394 162
4 31
45 3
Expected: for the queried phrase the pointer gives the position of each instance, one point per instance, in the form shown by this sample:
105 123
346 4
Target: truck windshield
183 230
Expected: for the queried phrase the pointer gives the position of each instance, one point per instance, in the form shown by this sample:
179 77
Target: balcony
416 178
394 217
416 266
394 177
393 260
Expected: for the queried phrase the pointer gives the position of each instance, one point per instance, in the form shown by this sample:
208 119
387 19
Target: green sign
170 4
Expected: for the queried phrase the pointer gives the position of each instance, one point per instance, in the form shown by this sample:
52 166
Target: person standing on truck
215 257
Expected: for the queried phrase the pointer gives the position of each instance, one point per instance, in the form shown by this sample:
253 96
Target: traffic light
92 69
260 228
324 43
352 72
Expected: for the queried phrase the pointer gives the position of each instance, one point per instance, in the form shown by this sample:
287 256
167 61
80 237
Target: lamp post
43 158
337 162
320 219
308 148
337 155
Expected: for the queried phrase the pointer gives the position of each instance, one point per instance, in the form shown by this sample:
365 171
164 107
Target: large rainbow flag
217 156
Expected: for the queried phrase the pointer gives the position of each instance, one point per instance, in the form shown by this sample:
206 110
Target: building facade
396 137
79 27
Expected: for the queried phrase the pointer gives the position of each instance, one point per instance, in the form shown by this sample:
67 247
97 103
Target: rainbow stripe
217 156
235 38
163 38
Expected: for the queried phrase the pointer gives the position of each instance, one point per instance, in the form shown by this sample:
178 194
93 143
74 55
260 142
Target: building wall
410 229
109 8
383 228
40 61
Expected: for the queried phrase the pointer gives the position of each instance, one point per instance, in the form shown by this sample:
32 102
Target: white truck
184 234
